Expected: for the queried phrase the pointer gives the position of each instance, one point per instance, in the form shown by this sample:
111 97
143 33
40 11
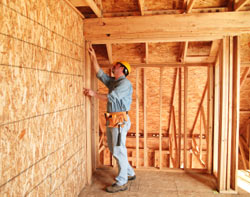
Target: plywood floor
154 183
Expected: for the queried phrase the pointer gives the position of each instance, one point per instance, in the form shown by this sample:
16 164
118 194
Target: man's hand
88 92
92 53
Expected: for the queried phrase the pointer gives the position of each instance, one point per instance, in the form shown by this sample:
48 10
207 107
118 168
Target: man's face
117 68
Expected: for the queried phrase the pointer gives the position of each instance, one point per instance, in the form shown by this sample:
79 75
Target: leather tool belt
116 119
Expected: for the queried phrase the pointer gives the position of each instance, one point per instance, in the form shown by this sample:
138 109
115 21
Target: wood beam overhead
239 4
201 26
79 3
158 65
94 7
141 5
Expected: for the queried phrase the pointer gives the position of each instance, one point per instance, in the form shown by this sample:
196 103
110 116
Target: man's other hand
88 92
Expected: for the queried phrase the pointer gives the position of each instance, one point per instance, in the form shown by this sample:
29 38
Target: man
118 100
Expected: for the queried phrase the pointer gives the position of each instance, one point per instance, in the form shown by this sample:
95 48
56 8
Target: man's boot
116 188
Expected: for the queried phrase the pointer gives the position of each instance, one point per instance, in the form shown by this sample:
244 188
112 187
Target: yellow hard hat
126 65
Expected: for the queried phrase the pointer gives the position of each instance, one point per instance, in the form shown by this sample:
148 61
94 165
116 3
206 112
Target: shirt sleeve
104 78
121 91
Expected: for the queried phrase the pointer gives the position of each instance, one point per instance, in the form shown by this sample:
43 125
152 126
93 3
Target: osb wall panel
199 48
120 6
245 48
210 3
169 52
163 5
42 135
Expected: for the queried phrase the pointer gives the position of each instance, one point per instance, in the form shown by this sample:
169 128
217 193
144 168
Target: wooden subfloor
154 183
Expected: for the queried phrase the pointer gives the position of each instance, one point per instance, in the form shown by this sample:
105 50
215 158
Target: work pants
120 152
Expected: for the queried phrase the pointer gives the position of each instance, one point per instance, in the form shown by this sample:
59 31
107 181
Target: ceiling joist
201 26
94 7
239 4
141 5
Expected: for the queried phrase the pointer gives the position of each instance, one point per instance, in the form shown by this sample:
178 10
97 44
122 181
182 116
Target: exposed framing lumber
216 115
223 118
190 5
146 53
141 5
94 7
230 99
239 4
169 64
199 108
184 47
214 48
79 3
137 118
160 134
74 8
88 115
179 117
235 112
210 119
166 27
242 154
248 141
145 117
185 114
109 52
175 139
244 76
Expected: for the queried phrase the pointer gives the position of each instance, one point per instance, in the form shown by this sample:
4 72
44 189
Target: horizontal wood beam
79 3
239 4
72 5
157 65
193 26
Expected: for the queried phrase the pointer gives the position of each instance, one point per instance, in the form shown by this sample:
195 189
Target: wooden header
175 65
159 28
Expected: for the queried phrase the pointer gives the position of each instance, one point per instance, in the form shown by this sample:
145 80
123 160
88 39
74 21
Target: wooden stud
109 52
200 140
145 117
230 98
175 139
248 131
183 54
209 129
137 118
160 134
239 4
235 112
146 53
185 114
223 116
88 116
179 121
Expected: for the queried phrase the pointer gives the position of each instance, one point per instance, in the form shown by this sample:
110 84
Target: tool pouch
116 118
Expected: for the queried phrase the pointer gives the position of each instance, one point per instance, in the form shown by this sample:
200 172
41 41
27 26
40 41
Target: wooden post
88 115
145 117
185 114
216 115
179 123
94 122
235 111
210 119
137 118
160 135
223 116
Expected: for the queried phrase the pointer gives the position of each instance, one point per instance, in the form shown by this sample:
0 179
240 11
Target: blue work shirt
120 92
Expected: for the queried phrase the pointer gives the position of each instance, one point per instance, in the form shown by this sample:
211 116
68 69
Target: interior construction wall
42 128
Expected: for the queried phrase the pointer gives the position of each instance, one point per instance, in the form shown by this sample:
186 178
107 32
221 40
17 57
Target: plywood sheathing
42 109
